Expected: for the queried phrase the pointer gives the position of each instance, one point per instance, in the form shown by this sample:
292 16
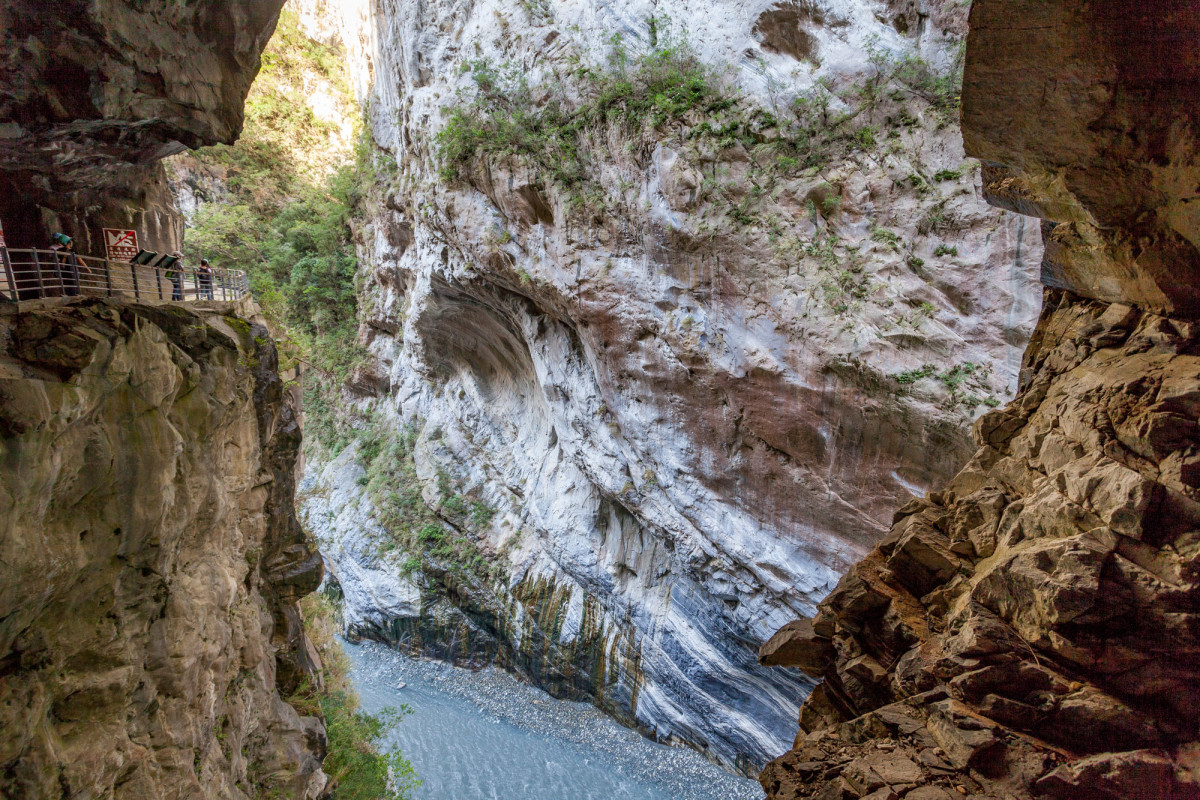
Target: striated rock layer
680 416
1031 629
150 558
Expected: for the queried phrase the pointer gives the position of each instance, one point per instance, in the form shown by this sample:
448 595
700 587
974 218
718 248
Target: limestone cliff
1030 628
150 558
632 406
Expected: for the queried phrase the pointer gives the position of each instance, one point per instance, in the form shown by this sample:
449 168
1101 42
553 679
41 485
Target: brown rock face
92 95
1038 613
1085 114
150 559
1031 629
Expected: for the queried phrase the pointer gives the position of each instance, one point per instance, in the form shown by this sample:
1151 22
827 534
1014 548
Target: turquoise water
486 736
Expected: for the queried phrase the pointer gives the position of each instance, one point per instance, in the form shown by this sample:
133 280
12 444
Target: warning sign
120 245
2 244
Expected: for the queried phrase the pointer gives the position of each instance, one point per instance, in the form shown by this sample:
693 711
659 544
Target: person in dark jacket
66 263
175 276
206 280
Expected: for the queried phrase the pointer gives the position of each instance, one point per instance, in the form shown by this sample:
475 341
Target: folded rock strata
685 428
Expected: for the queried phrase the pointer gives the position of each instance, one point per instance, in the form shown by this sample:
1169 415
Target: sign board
2 244
120 245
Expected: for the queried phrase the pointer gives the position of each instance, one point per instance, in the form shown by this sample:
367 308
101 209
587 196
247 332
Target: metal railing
32 274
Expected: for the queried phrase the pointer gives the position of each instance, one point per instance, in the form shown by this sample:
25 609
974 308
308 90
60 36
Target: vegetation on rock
669 90
353 761
434 535
293 186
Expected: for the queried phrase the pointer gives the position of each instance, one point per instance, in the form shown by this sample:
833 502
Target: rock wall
1098 140
685 422
93 94
150 558
1029 629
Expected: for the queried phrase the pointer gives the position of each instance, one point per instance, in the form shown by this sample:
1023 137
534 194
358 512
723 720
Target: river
486 736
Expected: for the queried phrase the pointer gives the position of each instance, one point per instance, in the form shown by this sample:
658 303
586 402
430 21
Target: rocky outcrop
1112 163
150 558
1029 629
93 94
688 407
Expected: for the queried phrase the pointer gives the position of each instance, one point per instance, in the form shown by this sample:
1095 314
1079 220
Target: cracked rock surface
150 558
1028 629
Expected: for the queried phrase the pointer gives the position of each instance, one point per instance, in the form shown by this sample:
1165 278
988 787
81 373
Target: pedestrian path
33 274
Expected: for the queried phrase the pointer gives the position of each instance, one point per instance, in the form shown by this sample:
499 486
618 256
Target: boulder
796 645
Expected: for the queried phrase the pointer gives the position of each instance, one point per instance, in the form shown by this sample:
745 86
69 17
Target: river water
487 736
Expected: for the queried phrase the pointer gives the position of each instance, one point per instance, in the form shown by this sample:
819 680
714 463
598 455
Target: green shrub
353 760
866 136
919 183
945 250
659 86
955 376
432 533
481 513
914 375
887 237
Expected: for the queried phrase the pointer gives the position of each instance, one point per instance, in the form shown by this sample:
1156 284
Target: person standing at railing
66 263
206 280
175 276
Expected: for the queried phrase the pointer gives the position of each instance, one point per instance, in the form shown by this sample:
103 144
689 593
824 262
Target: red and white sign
120 245
2 244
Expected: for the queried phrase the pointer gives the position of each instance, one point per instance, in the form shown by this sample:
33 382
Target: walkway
31 274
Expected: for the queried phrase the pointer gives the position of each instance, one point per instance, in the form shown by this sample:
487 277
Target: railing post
108 277
133 271
8 273
158 281
37 265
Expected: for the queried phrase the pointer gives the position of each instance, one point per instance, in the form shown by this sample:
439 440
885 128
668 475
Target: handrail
31 274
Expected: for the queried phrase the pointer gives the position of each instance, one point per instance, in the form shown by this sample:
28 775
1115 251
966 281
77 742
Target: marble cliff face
685 423
1029 629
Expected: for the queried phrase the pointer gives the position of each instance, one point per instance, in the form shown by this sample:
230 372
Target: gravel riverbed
574 731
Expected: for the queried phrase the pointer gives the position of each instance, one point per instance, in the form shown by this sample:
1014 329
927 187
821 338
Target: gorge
620 421
687 359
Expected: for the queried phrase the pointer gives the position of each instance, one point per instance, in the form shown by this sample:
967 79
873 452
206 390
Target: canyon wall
94 94
613 433
150 558
1029 629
